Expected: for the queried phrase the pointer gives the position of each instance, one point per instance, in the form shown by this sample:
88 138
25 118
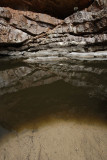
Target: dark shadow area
57 8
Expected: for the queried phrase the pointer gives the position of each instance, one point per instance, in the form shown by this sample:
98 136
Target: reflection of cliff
24 77
77 73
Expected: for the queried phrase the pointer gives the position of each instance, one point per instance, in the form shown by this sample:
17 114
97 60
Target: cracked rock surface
83 31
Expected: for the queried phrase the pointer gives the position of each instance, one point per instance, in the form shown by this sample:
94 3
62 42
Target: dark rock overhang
56 8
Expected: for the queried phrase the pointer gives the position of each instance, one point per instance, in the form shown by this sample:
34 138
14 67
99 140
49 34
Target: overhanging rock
27 31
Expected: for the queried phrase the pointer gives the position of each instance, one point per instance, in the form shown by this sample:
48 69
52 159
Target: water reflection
74 90
53 110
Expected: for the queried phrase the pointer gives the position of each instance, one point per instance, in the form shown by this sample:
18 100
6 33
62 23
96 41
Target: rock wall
27 31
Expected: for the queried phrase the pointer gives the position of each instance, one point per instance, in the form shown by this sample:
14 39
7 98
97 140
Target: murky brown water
39 95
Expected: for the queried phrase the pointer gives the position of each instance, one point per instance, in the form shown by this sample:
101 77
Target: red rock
84 30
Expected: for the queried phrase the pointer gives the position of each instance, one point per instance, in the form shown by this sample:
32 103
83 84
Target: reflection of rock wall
16 79
85 30
77 73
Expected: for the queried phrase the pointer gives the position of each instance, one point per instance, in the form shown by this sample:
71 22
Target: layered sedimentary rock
27 31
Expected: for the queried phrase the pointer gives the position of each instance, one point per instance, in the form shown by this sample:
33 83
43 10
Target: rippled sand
61 140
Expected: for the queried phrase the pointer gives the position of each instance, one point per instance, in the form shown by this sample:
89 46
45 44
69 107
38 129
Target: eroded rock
83 31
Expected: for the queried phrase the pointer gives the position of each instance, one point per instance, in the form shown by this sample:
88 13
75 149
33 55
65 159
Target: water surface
53 110
74 90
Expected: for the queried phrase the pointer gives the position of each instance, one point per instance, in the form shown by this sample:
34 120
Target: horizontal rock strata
26 31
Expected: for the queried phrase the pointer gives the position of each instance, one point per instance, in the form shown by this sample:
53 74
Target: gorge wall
30 26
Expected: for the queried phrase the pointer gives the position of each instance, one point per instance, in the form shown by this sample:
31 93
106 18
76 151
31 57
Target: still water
51 98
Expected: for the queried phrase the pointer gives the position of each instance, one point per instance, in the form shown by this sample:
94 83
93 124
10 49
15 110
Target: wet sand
61 140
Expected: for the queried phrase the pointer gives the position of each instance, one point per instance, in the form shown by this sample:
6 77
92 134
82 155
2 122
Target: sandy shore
56 141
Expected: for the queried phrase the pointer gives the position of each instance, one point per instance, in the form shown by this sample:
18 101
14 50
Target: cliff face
27 31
